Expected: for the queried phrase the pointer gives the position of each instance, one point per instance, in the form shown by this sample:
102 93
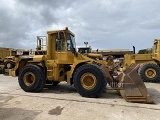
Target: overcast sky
104 24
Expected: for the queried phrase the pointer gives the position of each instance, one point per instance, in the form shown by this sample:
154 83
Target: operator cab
67 44
83 50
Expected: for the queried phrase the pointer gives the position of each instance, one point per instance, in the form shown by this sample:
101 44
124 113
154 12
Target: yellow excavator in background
63 63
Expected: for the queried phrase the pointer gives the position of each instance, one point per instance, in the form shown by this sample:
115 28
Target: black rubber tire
39 76
100 78
146 66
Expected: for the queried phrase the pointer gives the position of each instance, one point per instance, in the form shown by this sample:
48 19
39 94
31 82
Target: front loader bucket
130 85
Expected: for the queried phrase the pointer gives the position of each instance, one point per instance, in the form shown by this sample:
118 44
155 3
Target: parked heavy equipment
63 63
3 53
5 58
107 60
9 61
11 55
85 49
150 63
87 52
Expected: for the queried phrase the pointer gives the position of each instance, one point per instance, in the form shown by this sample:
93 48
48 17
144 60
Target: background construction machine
6 57
9 56
63 63
107 60
4 52
8 60
150 63
87 52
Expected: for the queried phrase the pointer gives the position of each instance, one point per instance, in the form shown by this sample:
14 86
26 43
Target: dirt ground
62 102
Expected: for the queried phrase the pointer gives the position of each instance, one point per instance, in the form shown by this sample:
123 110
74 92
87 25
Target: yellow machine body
154 57
149 63
63 63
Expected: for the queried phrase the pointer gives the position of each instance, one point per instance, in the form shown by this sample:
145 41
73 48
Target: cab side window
60 42
68 45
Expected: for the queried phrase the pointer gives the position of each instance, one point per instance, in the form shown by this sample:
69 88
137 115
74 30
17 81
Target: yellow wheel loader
9 61
63 63
3 53
11 55
149 69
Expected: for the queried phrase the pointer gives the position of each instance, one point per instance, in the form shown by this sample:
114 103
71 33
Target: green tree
145 51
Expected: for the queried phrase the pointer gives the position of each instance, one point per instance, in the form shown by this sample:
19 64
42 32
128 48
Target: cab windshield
70 42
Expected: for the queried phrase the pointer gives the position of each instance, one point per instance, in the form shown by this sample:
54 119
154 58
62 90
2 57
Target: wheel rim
150 73
88 81
29 79
9 65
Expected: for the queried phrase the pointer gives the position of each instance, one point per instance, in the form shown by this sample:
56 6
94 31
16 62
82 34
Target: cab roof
56 31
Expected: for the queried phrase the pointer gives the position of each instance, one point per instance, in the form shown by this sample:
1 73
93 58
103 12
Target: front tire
89 80
149 72
31 78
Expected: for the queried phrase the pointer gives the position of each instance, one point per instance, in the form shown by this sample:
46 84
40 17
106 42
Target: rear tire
32 78
89 80
149 72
